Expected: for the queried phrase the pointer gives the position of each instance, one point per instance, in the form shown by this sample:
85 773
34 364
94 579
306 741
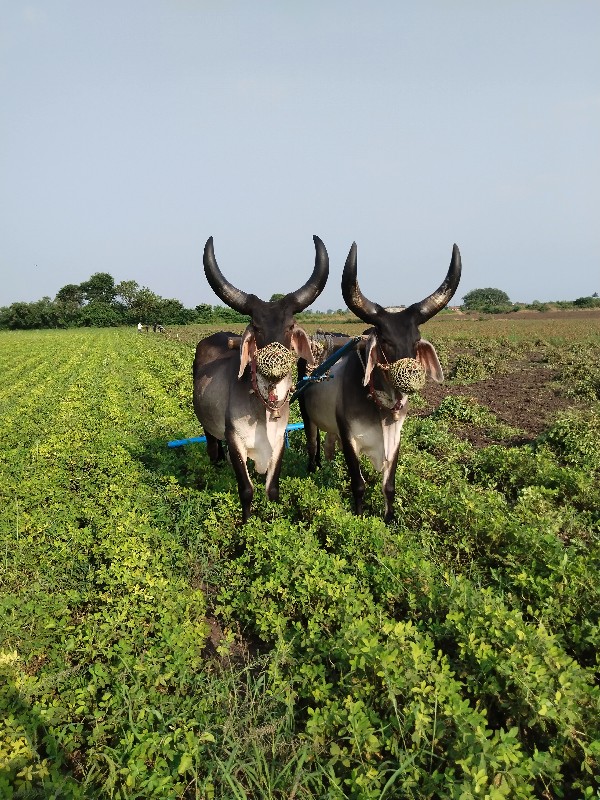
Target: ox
242 385
363 408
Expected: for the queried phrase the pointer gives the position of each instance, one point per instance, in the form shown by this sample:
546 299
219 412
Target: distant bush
587 302
98 314
537 306
490 301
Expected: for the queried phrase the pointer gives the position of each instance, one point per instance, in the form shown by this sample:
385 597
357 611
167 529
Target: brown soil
525 398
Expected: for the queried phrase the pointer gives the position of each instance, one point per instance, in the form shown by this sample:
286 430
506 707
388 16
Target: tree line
495 301
100 302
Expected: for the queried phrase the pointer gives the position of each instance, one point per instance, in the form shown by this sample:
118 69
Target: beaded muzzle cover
407 375
274 361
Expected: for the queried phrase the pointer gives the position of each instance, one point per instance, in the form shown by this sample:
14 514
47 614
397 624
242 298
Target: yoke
319 373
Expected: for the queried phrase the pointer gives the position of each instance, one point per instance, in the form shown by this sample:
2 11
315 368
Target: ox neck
386 399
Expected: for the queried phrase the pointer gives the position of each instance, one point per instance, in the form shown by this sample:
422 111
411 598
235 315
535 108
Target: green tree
587 302
486 300
227 314
100 315
72 294
127 292
172 312
99 288
203 313
42 313
146 306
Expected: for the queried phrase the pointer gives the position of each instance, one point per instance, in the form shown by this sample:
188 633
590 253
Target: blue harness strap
319 373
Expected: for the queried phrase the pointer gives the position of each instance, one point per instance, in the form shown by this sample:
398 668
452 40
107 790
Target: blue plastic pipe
293 426
180 442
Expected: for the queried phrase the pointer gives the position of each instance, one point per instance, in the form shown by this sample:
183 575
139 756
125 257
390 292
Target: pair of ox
242 385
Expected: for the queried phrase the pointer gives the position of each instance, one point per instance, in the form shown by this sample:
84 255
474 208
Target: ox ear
247 349
301 344
427 358
371 359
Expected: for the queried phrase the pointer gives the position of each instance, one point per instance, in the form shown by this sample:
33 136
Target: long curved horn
234 298
355 299
429 307
305 295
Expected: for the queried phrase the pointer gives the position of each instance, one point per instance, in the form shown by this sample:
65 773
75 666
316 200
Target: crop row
150 646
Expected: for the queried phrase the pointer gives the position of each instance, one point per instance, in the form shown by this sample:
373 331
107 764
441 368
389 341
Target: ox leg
273 472
389 488
245 487
313 440
357 482
331 440
214 448
313 445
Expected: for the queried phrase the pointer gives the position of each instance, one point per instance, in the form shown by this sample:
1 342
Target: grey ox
242 385
364 406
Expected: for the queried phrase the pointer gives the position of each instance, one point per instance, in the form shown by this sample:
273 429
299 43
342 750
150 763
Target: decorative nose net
274 361
407 375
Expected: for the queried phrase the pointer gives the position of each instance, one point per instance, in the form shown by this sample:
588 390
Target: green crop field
152 647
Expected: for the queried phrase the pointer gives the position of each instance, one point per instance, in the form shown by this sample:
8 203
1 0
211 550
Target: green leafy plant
152 647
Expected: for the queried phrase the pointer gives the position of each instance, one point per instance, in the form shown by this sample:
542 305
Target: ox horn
303 297
355 299
234 298
429 307
244 303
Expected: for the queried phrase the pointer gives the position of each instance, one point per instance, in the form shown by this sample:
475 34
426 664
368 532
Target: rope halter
406 376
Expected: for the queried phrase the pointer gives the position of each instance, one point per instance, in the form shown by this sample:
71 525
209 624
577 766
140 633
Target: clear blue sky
131 131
